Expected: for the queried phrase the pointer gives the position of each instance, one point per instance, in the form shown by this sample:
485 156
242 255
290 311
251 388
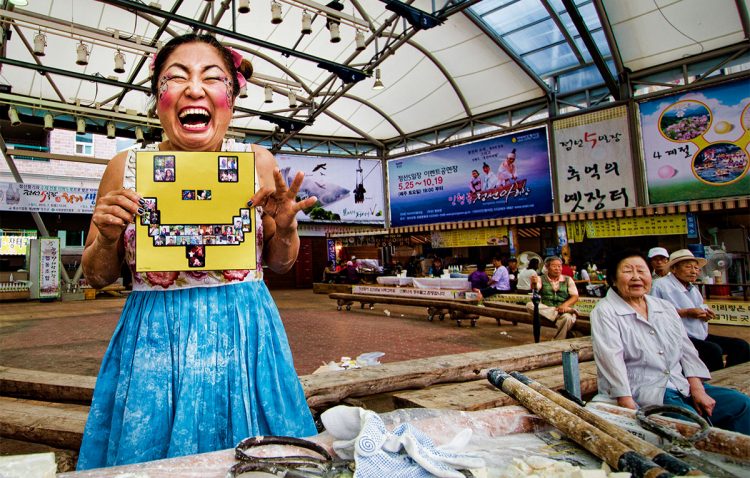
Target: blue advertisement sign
499 177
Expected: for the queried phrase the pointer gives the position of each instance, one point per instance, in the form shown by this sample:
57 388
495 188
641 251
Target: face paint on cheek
228 85
163 87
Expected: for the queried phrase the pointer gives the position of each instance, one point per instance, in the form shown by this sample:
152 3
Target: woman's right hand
114 211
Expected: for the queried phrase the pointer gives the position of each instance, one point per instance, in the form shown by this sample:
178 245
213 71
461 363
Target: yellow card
196 211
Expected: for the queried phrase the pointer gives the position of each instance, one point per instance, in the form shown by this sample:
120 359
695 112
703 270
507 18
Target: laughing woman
199 360
643 354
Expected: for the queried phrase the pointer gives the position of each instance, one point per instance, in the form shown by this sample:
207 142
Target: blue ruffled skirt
191 371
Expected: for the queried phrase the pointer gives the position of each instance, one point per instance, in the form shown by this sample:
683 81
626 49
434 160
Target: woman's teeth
194 118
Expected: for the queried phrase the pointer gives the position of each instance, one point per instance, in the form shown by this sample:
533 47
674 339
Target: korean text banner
695 144
348 190
499 177
594 169
41 198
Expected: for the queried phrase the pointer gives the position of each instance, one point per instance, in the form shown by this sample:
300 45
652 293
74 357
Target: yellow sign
483 236
15 244
627 227
730 313
196 214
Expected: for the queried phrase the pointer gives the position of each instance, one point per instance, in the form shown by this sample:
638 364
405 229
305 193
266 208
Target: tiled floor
71 337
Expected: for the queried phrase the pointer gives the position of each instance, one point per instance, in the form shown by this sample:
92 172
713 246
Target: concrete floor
71 337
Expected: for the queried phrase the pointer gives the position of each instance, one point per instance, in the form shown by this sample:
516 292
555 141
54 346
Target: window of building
84 144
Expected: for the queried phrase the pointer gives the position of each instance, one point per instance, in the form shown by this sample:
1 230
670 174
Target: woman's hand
702 401
113 212
280 203
627 402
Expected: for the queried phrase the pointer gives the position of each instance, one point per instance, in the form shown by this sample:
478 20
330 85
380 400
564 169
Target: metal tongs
293 466
682 446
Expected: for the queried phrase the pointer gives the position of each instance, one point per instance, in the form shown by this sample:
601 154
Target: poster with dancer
594 165
195 214
695 144
499 177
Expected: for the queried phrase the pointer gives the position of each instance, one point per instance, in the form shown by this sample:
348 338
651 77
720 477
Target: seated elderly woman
643 354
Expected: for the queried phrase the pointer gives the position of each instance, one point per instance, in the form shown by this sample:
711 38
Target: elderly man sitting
678 289
558 293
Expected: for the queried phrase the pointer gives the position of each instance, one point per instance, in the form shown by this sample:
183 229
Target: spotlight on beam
49 122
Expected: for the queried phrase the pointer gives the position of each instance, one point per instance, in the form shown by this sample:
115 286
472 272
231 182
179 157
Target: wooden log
333 387
56 424
657 455
39 385
612 451
736 377
481 395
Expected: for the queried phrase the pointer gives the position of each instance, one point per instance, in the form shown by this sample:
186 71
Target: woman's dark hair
245 69
614 259
481 267
533 264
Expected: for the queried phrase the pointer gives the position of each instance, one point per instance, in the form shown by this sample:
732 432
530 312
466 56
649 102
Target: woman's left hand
702 401
280 203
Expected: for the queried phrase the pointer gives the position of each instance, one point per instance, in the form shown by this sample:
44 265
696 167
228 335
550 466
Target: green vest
552 298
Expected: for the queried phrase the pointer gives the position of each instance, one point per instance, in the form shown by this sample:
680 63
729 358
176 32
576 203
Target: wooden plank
737 377
481 395
56 424
333 387
49 386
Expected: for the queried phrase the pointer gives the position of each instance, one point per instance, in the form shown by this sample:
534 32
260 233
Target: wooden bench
458 309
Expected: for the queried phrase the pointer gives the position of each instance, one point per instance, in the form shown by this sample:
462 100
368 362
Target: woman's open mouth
194 118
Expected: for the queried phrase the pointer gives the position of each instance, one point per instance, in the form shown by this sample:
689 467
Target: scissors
293 466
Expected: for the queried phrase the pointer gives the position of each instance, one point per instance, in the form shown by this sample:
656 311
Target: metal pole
536 324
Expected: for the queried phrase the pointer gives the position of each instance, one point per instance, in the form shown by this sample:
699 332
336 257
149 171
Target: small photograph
217 230
209 240
150 204
159 240
222 162
145 218
177 230
221 239
153 230
237 222
159 162
188 194
169 162
245 215
231 239
204 230
196 256
164 168
232 162
154 219
164 230
203 195
196 240
178 241
191 230
170 241
169 175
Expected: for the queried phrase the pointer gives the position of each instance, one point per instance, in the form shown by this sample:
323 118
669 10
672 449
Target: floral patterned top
186 279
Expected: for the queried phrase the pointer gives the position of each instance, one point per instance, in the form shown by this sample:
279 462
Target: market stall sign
627 227
483 236
16 243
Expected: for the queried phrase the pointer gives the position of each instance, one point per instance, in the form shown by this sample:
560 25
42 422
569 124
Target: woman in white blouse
643 354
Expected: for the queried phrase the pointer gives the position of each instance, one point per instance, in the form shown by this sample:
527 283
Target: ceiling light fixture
359 40
119 62
243 91
110 130
335 31
139 133
292 100
80 125
378 85
244 6
83 54
268 91
276 13
306 23
49 122
40 42
13 116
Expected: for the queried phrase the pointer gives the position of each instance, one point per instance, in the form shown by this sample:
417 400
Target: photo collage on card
164 170
228 169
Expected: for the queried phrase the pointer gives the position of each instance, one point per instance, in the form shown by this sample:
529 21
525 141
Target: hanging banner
15 243
483 236
49 270
348 190
695 144
499 177
593 158
42 198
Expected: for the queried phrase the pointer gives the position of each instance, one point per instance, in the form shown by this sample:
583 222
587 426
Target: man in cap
657 259
678 288
558 294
